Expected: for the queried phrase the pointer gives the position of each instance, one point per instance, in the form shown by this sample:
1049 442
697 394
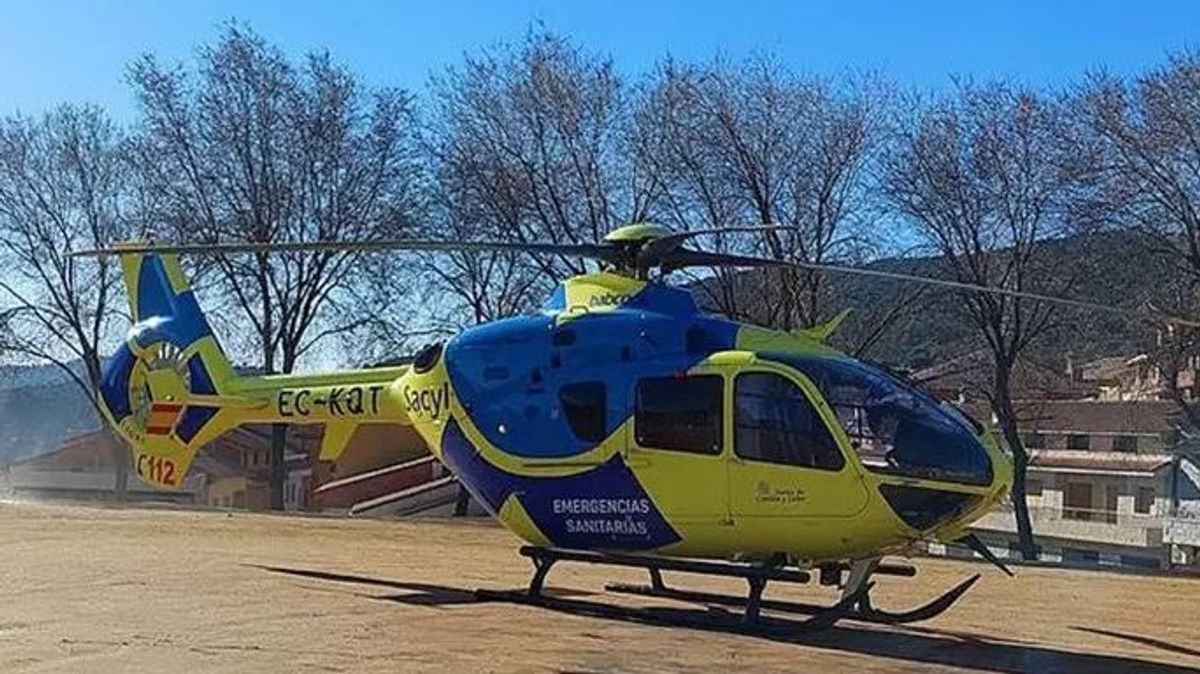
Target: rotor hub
639 233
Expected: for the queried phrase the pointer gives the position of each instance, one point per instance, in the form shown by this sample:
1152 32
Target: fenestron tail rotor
633 250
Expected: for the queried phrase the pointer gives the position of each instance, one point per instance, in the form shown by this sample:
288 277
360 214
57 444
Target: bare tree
253 148
62 188
1146 157
758 144
529 146
982 178
465 205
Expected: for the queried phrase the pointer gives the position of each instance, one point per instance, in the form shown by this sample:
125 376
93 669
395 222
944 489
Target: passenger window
679 413
586 408
777 424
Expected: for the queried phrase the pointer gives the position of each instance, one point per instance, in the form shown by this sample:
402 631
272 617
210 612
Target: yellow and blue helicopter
620 424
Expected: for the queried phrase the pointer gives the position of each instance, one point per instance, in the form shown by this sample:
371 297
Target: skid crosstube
855 602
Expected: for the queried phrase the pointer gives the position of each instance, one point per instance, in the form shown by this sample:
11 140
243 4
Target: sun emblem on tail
158 384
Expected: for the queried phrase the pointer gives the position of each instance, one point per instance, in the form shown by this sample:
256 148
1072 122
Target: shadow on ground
416 594
923 645
1143 640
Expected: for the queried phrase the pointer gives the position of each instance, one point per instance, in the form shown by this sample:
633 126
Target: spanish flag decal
163 417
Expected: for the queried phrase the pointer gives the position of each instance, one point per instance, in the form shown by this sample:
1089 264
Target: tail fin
170 389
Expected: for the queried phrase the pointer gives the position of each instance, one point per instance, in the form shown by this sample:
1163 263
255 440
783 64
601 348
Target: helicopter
620 424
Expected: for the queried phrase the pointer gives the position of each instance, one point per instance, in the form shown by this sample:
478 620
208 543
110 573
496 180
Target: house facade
1104 508
1110 482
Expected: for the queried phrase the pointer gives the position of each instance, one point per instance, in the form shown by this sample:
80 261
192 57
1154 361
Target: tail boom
170 389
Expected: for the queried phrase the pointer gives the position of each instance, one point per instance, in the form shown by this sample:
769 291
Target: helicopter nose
930 508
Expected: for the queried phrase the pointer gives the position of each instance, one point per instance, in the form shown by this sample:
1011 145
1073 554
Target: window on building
1143 500
1077 501
1033 487
585 406
1034 440
777 424
1125 443
679 413
1079 441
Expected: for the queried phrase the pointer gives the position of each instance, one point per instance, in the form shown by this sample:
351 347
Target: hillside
1110 269
40 406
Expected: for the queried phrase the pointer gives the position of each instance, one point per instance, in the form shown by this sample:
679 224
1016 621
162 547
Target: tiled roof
1103 369
91 451
1097 416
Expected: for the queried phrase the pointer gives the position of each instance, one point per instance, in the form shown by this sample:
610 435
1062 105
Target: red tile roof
1098 416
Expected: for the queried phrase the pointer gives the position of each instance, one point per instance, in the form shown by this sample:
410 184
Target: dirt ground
142 590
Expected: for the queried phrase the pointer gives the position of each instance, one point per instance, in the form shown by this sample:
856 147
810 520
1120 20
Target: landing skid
863 611
855 602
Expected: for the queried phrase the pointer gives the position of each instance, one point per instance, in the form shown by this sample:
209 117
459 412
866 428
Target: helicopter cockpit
894 426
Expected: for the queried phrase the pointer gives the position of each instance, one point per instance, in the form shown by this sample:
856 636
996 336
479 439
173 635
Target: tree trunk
1007 419
121 461
278 467
1029 550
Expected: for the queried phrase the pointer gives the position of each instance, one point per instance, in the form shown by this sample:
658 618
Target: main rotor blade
690 258
592 251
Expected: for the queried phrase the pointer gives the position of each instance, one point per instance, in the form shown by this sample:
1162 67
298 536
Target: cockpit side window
895 427
776 423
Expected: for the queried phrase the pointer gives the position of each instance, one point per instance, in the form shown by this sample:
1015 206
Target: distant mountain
21 376
40 406
1112 269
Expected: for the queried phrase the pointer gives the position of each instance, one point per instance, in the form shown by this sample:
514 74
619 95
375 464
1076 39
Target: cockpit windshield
894 426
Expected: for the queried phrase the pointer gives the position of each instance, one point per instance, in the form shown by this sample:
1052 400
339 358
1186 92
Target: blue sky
58 50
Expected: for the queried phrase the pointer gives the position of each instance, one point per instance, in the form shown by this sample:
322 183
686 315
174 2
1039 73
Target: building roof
1104 369
90 451
1130 417
1123 462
